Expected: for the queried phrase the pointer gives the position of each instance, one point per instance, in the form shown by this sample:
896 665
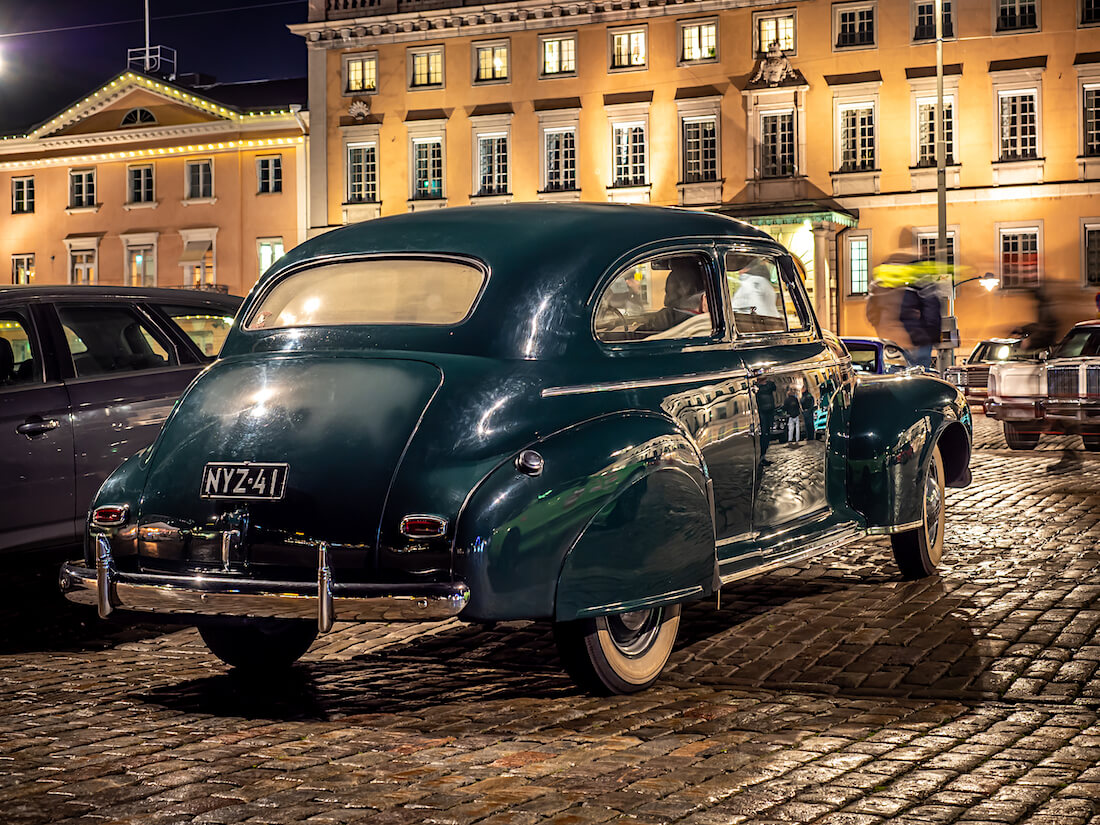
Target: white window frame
87 174
642 29
203 235
363 136
851 236
475 61
422 132
703 192
849 96
188 196
348 147
1088 225
130 172
770 112
491 127
996 9
345 72
88 244
1081 23
272 242
562 37
559 121
1014 228
860 5
412 54
759 17
950 16
622 116
696 23
22 263
856 105
919 101
24 180
932 233
133 241
269 177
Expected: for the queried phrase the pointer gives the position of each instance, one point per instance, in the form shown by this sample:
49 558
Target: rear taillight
423 527
110 515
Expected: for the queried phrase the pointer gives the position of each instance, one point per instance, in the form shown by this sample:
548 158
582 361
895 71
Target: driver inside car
685 298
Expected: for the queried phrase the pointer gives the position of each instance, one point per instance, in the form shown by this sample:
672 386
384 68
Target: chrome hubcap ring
633 633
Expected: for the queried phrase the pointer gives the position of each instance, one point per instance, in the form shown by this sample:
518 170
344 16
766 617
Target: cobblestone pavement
828 693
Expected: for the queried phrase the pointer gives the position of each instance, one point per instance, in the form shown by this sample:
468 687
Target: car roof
48 291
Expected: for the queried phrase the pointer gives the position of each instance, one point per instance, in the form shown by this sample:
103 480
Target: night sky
41 74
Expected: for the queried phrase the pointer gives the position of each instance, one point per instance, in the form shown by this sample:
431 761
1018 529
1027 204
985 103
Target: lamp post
941 186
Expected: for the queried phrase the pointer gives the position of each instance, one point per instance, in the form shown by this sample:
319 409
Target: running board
836 537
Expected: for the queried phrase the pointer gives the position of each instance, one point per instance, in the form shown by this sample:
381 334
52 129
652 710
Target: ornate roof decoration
359 109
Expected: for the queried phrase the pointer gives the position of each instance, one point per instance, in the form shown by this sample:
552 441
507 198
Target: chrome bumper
1016 410
218 595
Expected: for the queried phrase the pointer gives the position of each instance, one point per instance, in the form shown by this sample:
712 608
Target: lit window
628 49
141 266
698 41
559 55
1019 256
859 269
22 195
22 269
82 266
362 173
360 74
700 148
269 251
491 60
269 174
1019 125
426 68
775 28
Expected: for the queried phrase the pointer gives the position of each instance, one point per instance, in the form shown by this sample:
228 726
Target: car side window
667 297
20 363
894 357
756 293
206 327
108 339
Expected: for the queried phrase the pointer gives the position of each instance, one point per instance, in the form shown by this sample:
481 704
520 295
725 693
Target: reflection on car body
479 421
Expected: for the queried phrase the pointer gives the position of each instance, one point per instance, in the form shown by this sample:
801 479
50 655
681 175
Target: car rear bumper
109 589
1072 412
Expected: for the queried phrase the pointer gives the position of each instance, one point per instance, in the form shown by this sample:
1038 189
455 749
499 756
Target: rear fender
895 424
515 531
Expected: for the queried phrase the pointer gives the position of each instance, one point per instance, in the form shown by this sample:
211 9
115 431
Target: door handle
37 426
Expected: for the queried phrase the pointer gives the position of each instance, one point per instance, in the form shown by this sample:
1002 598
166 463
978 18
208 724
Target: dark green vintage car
536 411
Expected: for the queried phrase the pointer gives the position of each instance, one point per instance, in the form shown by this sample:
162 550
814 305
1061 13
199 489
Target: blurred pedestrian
792 407
884 300
808 405
921 315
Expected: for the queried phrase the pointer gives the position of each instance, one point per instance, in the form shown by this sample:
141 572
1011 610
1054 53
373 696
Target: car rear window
388 291
207 327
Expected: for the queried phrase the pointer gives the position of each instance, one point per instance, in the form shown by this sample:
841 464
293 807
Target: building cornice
203 148
476 21
976 194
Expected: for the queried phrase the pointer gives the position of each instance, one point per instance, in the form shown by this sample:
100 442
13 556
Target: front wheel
622 653
918 552
1018 437
274 644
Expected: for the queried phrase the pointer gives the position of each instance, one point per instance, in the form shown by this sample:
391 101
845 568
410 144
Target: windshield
420 292
1083 341
988 351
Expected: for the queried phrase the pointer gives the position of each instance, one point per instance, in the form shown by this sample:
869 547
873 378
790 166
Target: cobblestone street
829 693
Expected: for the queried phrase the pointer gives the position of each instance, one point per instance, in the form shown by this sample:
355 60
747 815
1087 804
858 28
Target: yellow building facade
827 143
150 183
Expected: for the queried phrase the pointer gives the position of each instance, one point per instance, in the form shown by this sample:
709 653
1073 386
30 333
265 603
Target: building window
269 174
857 138
82 266
22 195
362 173
926 246
1091 120
630 154
1091 264
777 158
491 62
198 256
492 164
854 24
1019 125
859 267
1090 12
698 41
1019 256
269 251
141 265
774 27
426 68
628 48
561 160
700 149
1014 15
81 188
200 179
428 169
22 269
138 117
559 55
360 74
140 184
924 20
926 131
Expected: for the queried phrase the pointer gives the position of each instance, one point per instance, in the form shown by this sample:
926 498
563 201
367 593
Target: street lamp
988 281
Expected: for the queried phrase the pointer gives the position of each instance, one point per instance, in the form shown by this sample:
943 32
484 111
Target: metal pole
148 57
941 179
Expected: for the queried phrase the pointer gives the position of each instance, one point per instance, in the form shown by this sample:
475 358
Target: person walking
808 405
921 315
793 408
765 408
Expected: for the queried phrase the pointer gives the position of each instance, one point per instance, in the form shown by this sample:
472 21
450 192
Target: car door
793 376
124 374
36 438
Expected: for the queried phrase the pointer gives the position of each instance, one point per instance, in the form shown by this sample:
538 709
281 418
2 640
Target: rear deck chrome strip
610 386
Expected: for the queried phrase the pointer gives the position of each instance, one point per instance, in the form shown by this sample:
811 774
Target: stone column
318 139
822 294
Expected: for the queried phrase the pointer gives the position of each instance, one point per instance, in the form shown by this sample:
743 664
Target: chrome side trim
891 529
838 537
610 386
641 604
326 610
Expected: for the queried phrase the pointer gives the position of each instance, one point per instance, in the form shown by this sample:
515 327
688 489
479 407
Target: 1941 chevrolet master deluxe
534 411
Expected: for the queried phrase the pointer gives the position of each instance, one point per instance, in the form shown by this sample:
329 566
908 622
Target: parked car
972 376
877 356
456 413
1059 395
87 376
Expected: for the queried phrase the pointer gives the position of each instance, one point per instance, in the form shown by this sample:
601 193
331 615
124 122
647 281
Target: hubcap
633 633
933 504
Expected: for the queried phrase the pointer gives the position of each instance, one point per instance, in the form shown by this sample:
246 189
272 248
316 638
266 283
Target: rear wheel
1092 442
274 644
918 552
623 653
1021 436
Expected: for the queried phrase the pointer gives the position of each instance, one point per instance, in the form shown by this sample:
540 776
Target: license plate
244 480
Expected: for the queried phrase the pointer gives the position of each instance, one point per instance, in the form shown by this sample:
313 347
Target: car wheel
918 552
623 653
275 644
1092 442
1019 438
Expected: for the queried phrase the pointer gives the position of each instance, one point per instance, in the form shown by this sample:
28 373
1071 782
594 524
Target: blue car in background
877 356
